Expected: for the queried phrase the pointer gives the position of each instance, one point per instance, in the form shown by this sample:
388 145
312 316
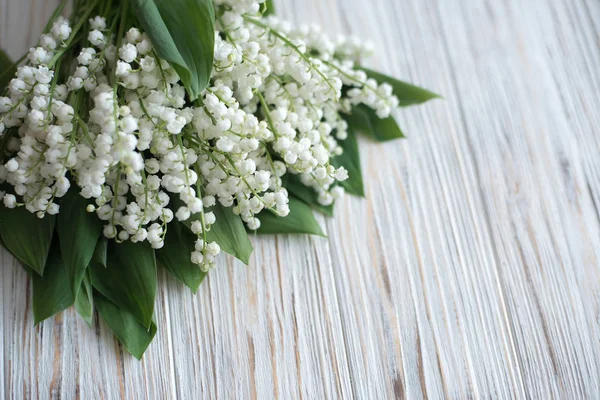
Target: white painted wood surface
471 270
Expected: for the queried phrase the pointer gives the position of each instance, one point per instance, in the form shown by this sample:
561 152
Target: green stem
272 164
84 128
353 79
74 31
294 47
232 163
199 194
267 113
57 11
12 67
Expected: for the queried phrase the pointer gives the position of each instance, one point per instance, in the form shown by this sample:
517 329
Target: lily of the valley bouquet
140 134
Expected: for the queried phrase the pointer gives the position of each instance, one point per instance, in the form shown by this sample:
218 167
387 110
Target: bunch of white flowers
140 133
116 123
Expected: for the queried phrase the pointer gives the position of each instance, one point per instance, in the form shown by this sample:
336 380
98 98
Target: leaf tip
436 96
320 232
245 261
137 354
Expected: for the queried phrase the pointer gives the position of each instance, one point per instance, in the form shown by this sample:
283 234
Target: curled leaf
269 8
84 302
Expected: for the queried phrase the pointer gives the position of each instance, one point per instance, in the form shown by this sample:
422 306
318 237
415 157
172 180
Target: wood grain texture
470 271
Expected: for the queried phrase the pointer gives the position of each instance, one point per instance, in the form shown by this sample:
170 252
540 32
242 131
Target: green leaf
308 195
175 256
384 129
183 33
129 279
229 233
365 120
300 220
407 94
99 257
26 236
84 303
7 70
78 231
51 293
269 8
134 336
350 159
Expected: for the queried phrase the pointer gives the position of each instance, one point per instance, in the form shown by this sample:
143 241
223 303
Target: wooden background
471 270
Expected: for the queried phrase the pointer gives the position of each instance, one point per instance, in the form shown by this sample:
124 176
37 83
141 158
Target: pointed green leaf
78 231
134 336
308 195
26 236
7 70
183 33
385 129
51 293
358 120
350 159
407 93
175 256
300 220
365 120
129 279
84 303
229 233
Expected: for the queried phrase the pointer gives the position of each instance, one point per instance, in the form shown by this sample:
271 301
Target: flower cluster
116 125
36 123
